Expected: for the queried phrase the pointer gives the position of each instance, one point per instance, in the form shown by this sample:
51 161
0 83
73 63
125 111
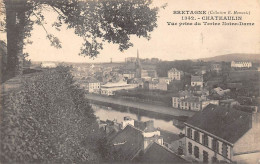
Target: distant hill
236 57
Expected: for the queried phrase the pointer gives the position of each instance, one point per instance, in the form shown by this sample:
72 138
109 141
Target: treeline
163 67
48 120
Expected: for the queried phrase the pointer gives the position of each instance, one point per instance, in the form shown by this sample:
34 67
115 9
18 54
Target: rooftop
174 70
147 126
192 99
226 123
159 154
169 137
128 142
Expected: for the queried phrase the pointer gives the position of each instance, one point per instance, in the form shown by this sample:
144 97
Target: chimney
149 125
255 120
127 121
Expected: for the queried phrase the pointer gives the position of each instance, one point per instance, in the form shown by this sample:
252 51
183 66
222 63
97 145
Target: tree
96 21
48 120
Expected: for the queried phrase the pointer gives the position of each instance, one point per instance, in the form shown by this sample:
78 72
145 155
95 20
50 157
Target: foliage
113 21
108 152
26 62
47 120
176 86
162 68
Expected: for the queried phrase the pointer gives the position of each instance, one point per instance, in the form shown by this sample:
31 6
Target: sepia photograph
130 81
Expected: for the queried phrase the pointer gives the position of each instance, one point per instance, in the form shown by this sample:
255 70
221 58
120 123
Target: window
205 140
196 136
215 145
189 133
190 148
197 105
196 151
205 157
224 150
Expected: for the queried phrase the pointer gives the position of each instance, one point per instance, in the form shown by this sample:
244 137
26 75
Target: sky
167 42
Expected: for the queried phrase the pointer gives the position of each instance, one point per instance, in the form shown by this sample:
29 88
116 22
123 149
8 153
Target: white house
110 88
175 74
92 85
192 103
197 80
219 134
241 64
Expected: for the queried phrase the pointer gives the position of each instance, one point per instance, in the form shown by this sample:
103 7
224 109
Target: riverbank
111 102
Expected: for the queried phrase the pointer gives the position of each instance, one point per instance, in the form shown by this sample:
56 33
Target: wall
174 75
175 145
250 141
202 148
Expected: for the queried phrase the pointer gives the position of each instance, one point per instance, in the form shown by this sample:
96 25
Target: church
141 72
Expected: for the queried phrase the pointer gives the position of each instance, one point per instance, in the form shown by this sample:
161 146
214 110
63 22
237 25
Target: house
158 85
194 103
148 74
164 80
220 91
131 141
92 85
241 64
147 127
175 74
222 134
197 80
157 153
110 88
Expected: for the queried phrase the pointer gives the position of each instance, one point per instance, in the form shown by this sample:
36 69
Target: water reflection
165 122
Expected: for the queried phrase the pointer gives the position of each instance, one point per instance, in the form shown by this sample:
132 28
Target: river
160 121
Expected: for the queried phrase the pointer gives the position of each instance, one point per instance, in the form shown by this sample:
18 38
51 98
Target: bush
47 120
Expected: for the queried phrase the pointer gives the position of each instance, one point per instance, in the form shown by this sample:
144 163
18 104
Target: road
143 106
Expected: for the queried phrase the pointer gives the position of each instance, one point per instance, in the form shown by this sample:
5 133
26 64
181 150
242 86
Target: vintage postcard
130 81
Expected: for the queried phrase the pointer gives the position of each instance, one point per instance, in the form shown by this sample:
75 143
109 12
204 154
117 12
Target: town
129 81
219 99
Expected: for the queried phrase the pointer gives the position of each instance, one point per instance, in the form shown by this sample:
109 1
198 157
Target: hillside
234 56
